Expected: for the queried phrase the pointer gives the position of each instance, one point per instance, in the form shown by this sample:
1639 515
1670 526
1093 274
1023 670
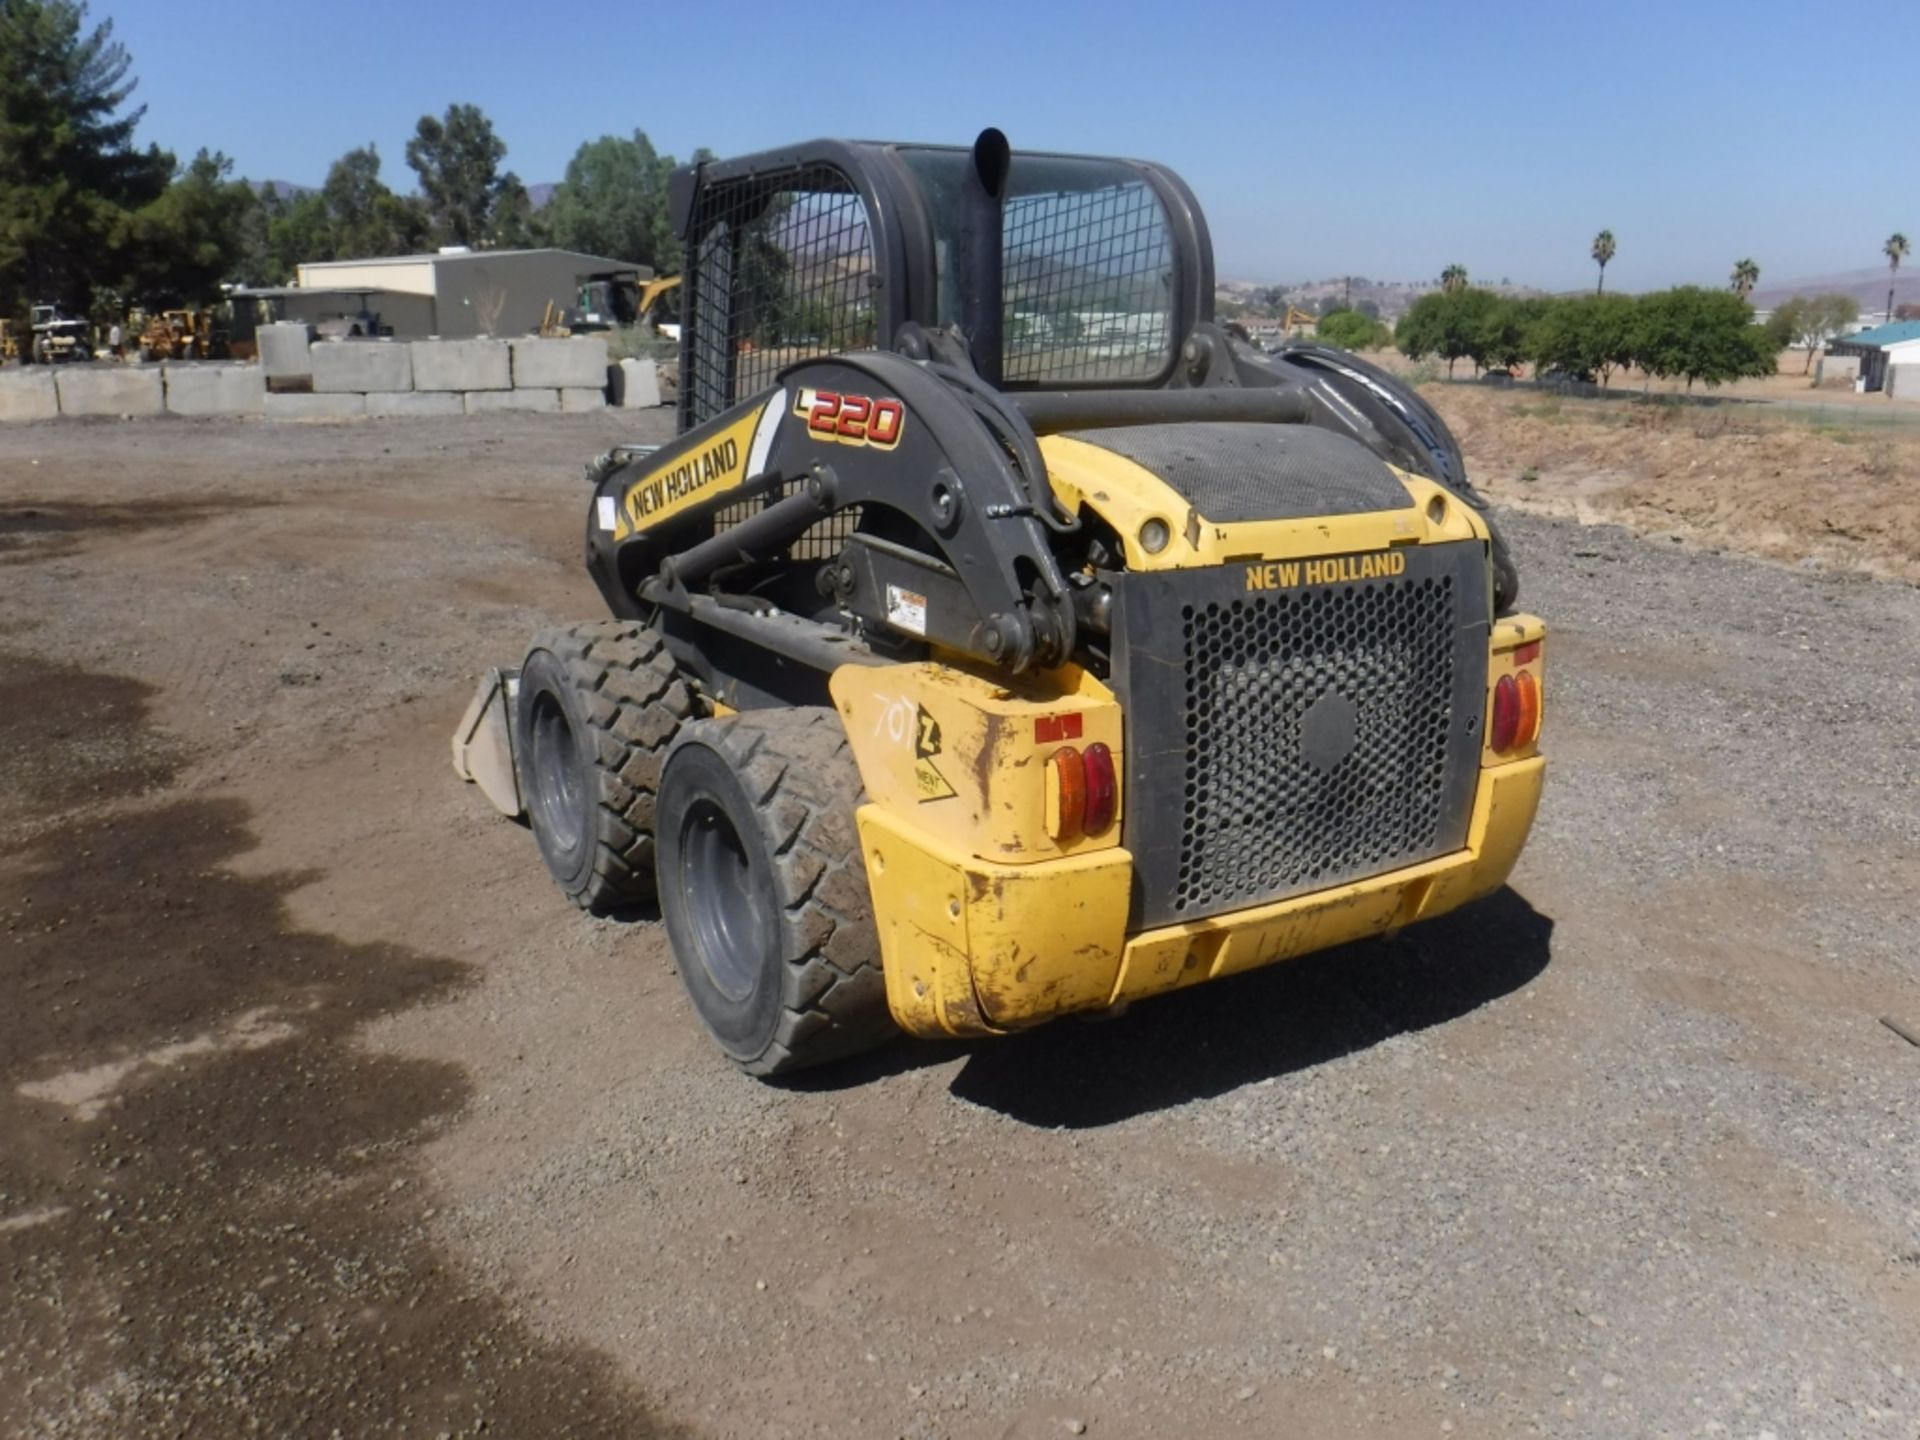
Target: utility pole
1348 302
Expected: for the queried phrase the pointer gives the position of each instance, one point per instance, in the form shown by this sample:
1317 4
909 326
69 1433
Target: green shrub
1693 333
1351 330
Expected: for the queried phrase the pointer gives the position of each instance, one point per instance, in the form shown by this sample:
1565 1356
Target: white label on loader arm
764 432
609 511
907 609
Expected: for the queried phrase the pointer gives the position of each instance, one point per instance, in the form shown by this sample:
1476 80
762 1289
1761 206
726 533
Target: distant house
454 293
1888 355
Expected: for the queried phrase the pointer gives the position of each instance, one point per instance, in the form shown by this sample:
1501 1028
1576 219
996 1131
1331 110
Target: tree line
1689 333
95 222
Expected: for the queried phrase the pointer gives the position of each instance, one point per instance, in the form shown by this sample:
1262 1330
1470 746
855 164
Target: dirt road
323 1113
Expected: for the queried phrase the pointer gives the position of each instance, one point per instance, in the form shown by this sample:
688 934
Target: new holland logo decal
1339 570
696 472
718 462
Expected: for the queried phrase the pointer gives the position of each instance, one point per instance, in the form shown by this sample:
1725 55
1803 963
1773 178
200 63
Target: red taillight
1528 730
1082 792
1516 712
1103 788
1506 714
1066 794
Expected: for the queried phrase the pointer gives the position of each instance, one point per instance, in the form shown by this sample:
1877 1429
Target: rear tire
763 887
598 706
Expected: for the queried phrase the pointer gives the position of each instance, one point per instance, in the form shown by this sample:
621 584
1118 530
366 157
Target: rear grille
1318 735
1261 817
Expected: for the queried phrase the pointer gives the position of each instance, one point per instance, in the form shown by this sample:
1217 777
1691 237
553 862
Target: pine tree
70 172
458 162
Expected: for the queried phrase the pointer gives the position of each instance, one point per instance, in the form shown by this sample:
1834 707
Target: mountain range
1868 286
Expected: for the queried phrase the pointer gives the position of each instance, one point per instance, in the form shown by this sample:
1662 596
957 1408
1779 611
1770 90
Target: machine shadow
1199 1043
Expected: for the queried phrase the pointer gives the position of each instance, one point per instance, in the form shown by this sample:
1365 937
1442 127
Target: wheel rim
727 912
558 791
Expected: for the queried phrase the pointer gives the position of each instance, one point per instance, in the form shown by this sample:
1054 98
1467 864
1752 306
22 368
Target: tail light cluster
1082 791
1515 723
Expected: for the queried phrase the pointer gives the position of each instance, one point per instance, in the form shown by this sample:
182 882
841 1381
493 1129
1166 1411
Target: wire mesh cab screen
780 267
1087 262
780 270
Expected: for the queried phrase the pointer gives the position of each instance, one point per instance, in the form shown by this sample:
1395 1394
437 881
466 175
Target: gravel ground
324 1112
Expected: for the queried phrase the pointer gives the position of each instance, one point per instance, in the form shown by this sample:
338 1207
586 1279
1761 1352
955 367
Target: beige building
453 294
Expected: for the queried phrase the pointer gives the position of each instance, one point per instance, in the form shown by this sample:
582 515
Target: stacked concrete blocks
572 364
28 395
285 357
110 390
493 402
415 402
634 384
462 365
315 407
301 379
215 389
360 367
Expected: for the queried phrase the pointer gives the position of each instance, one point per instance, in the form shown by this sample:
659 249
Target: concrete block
492 402
576 363
215 389
417 402
315 407
579 401
635 384
110 390
462 365
28 395
343 367
283 356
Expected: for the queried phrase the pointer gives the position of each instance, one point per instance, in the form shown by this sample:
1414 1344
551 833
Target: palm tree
1602 252
1454 277
1895 250
1746 275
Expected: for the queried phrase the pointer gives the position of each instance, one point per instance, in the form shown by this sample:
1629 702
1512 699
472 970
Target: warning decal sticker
928 782
907 609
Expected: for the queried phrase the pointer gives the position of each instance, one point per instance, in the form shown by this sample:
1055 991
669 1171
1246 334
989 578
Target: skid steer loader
999 639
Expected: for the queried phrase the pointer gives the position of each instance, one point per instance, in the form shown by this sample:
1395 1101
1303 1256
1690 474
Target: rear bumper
974 948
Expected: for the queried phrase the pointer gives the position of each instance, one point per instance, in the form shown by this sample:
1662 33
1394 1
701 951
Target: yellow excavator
619 297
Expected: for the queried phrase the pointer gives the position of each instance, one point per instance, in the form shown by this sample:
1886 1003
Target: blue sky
1386 140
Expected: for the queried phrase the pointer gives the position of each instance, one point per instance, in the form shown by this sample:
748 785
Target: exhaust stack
982 206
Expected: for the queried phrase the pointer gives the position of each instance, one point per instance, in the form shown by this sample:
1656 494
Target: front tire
763 887
598 706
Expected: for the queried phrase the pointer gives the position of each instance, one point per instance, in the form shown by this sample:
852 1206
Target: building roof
435 257
1880 337
302 292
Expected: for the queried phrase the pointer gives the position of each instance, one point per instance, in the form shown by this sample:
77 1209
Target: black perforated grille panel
1263 817
1232 472
1305 737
